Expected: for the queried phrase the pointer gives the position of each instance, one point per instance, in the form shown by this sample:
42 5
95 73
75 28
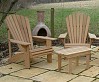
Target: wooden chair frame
24 42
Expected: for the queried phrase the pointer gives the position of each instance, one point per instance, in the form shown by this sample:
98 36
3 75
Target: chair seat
41 51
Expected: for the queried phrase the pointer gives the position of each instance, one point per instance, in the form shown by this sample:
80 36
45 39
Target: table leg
88 61
77 61
70 65
59 62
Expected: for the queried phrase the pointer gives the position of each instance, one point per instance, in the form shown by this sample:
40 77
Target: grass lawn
60 15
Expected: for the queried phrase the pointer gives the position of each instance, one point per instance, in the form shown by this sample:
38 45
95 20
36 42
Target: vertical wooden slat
74 26
68 27
14 27
81 25
84 27
87 25
77 25
77 28
24 29
19 19
29 32
10 26
17 28
20 28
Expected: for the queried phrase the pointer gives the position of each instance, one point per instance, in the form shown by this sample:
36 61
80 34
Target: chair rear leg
49 58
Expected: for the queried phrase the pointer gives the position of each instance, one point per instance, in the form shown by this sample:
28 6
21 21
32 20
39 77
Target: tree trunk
7 11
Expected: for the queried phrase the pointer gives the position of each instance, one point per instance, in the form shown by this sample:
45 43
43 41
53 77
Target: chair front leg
26 56
48 43
49 56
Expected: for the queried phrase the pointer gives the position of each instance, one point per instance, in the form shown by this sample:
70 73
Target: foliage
60 22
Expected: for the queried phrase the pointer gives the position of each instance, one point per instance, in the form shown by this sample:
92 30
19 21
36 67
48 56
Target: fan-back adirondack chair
19 32
77 26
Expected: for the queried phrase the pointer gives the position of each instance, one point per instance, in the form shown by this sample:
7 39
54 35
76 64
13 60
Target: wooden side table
74 52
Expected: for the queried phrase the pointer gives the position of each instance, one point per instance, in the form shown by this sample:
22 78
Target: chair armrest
62 36
44 38
19 42
92 36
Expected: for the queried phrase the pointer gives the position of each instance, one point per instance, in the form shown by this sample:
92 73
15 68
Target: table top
73 50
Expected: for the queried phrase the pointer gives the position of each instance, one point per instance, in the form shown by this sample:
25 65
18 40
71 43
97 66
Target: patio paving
97 80
41 71
54 76
8 78
92 72
75 69
10 68
82 79
28 73
49 66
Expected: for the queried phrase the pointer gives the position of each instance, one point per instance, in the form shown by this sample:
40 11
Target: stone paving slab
50 66
43 71
75 69
95 62
92 72
53 76
96 55
8 78
97 80
10 68
33 61
97 76
82 60
28 73
82 79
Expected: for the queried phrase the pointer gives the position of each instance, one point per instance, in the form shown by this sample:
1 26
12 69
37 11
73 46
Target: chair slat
29 32
17 27
80 30
87 25
10 27
74 26
77 25
20 28
19 19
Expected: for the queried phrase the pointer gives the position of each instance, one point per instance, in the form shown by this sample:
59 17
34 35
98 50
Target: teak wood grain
19 32
77 26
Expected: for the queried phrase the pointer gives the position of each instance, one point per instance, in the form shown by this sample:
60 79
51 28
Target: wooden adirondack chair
77 26
19 32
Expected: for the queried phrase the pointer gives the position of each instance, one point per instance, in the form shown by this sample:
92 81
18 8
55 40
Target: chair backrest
77 26
19 28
